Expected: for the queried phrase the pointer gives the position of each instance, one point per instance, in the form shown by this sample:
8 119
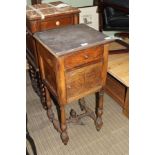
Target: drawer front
84 79
116 89
83 57
56 22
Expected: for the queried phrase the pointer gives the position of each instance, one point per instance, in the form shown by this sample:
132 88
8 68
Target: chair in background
114 16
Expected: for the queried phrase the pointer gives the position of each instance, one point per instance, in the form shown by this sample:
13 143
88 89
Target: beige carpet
112 139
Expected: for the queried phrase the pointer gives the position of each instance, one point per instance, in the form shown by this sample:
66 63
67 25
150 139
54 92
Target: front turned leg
64 135
50 112
99 112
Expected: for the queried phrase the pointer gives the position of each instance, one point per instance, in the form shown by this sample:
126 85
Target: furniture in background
42 17
117 85
73 61
114 16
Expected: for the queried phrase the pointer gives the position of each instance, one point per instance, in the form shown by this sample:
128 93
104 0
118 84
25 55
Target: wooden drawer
83 57
84 79
56 22
115 89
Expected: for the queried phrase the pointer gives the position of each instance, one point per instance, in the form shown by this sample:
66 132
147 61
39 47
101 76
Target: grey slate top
70 38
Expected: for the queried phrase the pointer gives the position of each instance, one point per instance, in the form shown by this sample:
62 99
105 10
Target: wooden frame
117 84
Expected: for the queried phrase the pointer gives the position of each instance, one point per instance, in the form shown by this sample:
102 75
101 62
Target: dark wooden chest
46 16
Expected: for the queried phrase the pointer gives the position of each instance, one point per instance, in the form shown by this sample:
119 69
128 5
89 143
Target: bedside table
42 17
73 64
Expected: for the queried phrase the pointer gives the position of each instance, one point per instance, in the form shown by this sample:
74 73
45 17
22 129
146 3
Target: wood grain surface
118 66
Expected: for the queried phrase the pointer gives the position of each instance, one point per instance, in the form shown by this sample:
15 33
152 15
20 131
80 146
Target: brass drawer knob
86 56
57 23
69 87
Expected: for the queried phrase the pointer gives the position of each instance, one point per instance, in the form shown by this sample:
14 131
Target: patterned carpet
112 139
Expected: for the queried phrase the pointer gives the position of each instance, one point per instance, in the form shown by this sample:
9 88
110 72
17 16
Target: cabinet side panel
47 63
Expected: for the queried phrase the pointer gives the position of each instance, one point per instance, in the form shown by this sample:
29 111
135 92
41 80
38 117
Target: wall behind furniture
76 3
28 2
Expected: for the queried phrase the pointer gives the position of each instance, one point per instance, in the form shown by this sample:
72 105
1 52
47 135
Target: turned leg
64 135
50 113
42 94
35 79
38 79
62 129
37 82
82 103
99 110
32 75
87 110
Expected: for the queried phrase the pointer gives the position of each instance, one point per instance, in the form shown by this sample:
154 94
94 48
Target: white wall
76 3
28 2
